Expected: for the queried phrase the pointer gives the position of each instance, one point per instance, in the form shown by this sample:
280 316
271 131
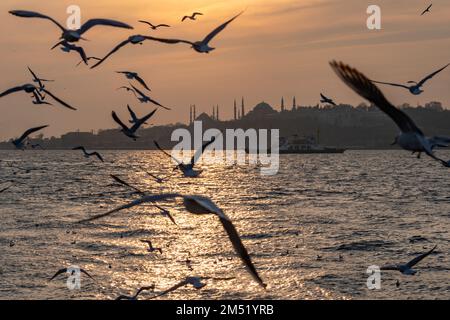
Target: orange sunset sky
277 48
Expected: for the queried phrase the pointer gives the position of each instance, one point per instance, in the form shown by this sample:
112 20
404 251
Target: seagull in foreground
131 132
136 295
134 118
416 87
411 137
30 88
87 59
198 205
65 270
38 80
145 99
134 75
324 99
427 10
192 17
67 47
20 142
199 46
88 155
406 269
164 212
154 27
151 249
72 35
196 282
188 169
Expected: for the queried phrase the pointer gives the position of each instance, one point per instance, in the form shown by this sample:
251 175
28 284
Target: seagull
67 271
128 90
156 178
145 99
67 47
411 137
72 35
19 143
196 282
427 10
164 212
136 39
38 99
30 88
151 249
188 169
406 269
192 17
134 118
198 205
134 75
131 132
35 146
38 80
88 59
416 87
199 46
135 297
154 27
4 189
88 155
324 99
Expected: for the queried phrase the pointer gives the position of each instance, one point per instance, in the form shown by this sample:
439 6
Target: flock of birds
411 137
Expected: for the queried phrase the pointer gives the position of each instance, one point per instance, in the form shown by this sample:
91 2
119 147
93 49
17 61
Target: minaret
195 112
294 104
214 113
190 116
282 104
239 115
235 110
217 113
243 108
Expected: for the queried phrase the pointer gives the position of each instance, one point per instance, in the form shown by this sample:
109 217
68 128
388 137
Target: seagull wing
422 82
117 48
140 122
58 273
98 155
31 14
35 77
12 90
147 97
166 153
323 97
169 41
31 131
216 31
132 113
416 260
162 25
82 54
199 152
4 189
390 268
80 148
175 287
392 84
86 273
120 181
58 100
132 204
142 82
103 22
118 121
365 88
146 22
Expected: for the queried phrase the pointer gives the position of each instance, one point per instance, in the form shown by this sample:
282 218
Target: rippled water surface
312 230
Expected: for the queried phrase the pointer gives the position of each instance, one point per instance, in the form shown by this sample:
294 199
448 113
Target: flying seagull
131 132
134 118
136 39
192 17
38 99
196 282
156 178
67 47
72 35
38 80
199 46
143 98
128 90
30 88
427 10
65 270
411 137
87 59
406 269
151 249
164 212
134 75
19 143
198 205
324 99
416 87
136 295
154 27
88 155
188 169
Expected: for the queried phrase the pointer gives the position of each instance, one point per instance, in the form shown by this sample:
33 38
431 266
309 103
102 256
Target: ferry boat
305 145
